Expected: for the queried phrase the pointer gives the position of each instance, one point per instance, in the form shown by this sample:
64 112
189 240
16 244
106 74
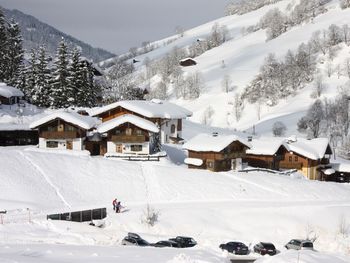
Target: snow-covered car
165 243
299 244
133 239
237 248
264 248
184 241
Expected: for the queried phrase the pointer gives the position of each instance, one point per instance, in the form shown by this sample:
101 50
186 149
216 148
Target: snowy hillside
240 58
237 206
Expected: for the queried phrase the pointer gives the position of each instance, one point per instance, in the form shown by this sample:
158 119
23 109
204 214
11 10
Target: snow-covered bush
150 216
344 4
278 129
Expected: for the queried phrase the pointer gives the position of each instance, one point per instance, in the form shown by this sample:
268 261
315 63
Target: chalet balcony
129 138
286 165
59 135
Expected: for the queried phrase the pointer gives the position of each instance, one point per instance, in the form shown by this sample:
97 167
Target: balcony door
69 145
119 148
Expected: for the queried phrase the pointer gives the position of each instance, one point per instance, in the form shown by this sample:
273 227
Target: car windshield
307 244
269 246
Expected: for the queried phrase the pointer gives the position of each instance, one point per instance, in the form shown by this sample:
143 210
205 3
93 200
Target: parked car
237 248
264 248
166 243
133 239
299 244
184 241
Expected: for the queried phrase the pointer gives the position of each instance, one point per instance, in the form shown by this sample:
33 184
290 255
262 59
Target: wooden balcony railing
59 135
128 138
287 165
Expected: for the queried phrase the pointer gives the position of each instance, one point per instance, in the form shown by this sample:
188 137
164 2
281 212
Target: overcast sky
117 25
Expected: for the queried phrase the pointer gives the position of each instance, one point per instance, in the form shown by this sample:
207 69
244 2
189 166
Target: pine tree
30 73
76 79
61 95
90 91
14 52
42 80
3 47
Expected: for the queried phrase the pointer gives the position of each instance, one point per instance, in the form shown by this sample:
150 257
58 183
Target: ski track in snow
47 179
268 189
152 186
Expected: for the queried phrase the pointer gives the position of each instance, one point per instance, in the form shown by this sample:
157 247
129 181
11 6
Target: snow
211 143
329 171
137 121
303 256
194 161
85 122
314 149
8 91
265 145
150 109
236 206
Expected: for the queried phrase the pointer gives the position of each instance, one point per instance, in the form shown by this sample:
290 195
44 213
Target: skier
118 207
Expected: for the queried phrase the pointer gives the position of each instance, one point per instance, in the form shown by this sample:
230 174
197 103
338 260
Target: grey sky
117 25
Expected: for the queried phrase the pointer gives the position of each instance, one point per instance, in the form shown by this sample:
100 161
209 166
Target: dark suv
264 248
184 241
133 239
237 248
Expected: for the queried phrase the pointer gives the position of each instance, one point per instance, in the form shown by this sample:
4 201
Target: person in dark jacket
114 203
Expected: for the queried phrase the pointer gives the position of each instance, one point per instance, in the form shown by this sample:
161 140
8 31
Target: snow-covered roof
265 145
150 109
8 91
313 149
193 161
341 167
85 122
212 143
137 121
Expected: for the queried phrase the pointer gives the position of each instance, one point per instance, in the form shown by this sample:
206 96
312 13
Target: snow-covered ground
211 207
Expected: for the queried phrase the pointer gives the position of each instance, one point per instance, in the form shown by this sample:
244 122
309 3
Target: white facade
166 130
128 148
61 144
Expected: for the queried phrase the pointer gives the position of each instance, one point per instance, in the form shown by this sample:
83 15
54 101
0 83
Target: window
173 128
117 132
295 158
51 144
210 164
290 159
138 132
68 127
128 131
136 148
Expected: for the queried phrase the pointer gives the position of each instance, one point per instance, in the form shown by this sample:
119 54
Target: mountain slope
36 33
241 57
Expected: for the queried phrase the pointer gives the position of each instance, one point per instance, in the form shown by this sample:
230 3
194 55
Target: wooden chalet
265 153
17 134
129 134
165 115
63 130
309 157
9 95
215 152
186 62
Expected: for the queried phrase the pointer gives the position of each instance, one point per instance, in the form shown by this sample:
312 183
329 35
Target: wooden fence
80 216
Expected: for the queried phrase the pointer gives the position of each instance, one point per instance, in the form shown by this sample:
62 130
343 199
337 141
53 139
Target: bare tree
238 106
207 115
180 31
226 83
347 67
312 121
319 86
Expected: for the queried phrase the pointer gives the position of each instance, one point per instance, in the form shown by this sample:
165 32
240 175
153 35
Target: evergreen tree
76 79
42 80
61 95
89 92
3 47
30 73
14 52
